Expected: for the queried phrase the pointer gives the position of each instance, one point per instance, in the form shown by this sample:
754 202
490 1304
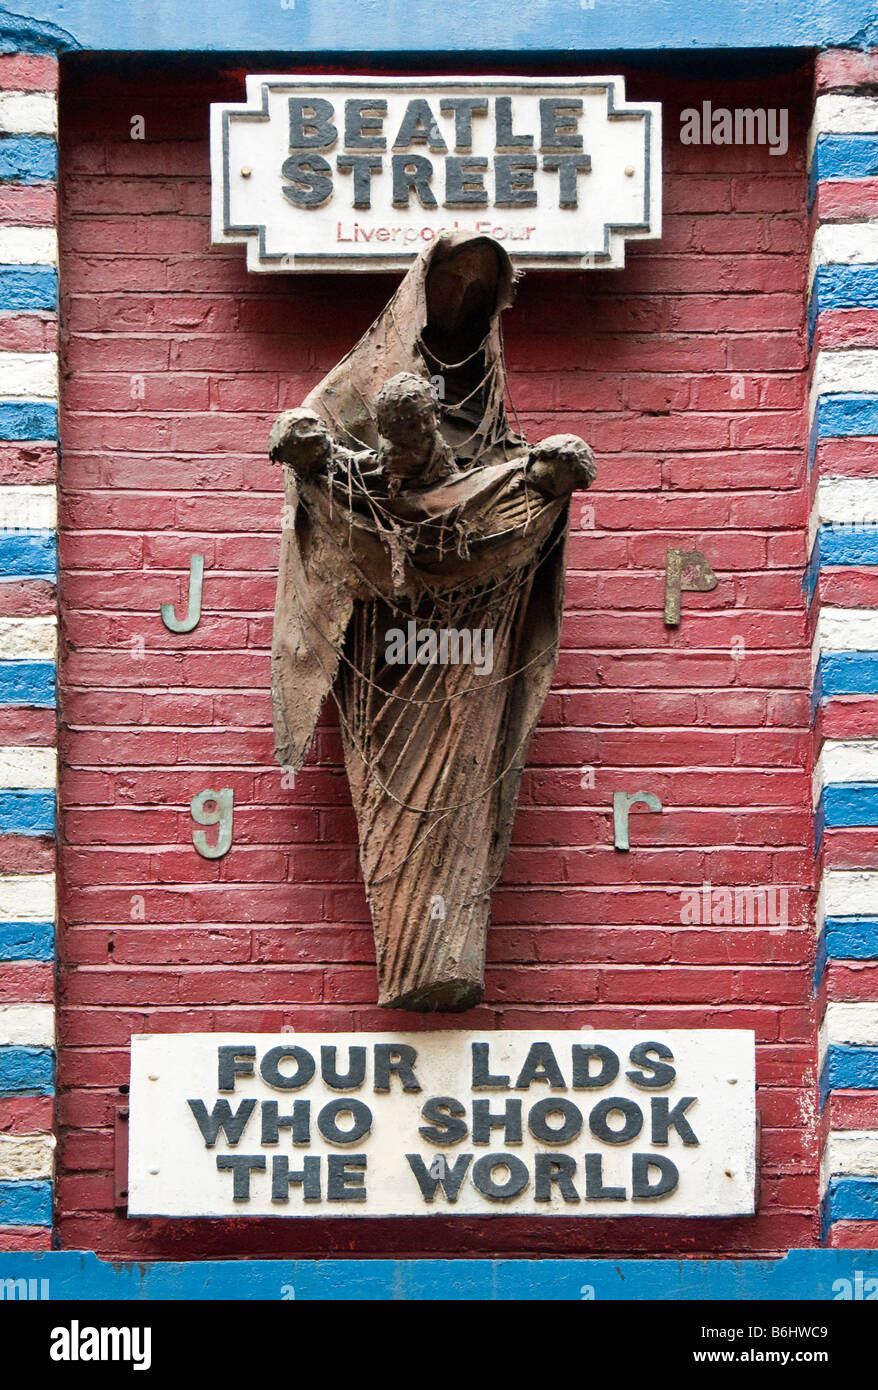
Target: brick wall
28 629
686 373
843 533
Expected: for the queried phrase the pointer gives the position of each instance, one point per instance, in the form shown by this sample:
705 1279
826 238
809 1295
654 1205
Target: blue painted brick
847 545
27 683
28 158
848 1067
851 1199
846 673
27 812
850 804
20 420
27 940
25 1204
28 555
27 1071
28 287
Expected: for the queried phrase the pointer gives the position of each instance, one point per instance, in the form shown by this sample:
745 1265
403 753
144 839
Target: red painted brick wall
685 372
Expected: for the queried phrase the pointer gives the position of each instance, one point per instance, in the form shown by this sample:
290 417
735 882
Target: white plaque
361 173
577 1123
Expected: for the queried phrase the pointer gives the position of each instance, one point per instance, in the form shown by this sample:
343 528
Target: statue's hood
345 398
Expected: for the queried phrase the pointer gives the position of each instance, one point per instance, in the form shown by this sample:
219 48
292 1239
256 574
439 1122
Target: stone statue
421 582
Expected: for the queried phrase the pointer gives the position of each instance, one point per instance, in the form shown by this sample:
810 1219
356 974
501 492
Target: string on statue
467 596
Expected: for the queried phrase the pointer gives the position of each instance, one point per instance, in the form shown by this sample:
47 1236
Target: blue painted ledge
540 26
800 1274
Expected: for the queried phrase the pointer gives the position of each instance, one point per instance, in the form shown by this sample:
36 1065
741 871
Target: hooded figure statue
421 582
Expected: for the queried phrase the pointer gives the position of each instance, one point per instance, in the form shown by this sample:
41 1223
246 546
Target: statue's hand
561 464
301 439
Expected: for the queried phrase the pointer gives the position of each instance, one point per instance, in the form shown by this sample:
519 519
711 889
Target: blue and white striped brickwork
843 588
28 637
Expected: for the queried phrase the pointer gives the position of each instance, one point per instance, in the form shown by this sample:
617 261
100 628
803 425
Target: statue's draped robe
434 753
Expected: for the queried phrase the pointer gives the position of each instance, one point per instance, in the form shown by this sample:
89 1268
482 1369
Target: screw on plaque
686 571
193 612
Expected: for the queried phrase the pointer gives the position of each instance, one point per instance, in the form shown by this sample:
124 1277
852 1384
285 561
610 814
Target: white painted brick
29 508
28 113
28 639
847 501
847 630
28 767
843 243
27 1025
28 246
851 1152
27 897
844 370
850 892
26 1157
837 113
29 376
845 760
847 1023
